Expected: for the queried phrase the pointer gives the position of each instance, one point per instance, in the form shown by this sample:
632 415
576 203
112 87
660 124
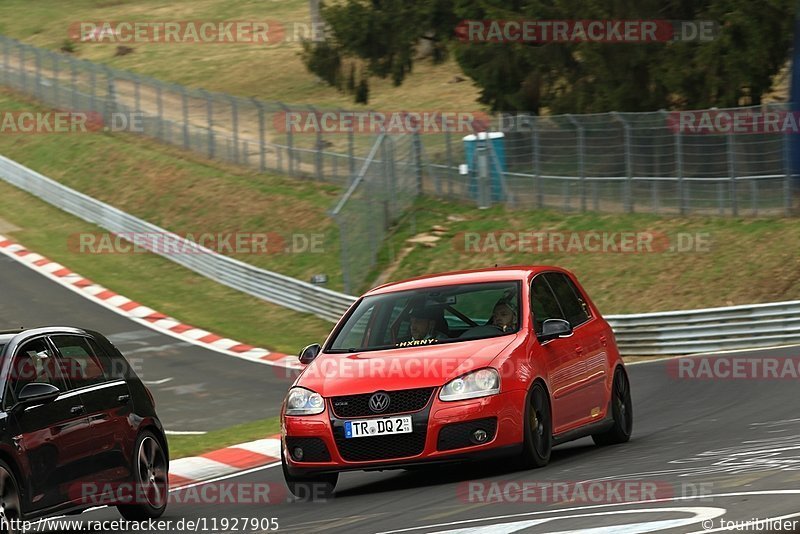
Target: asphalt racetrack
196 389
704 453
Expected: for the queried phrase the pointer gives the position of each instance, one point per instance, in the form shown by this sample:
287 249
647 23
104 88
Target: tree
752 45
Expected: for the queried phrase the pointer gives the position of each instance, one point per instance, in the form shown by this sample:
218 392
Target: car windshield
430 315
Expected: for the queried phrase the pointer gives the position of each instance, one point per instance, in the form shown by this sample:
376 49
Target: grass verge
182 446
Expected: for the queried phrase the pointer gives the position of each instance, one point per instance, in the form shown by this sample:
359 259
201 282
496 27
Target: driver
423 324
504 316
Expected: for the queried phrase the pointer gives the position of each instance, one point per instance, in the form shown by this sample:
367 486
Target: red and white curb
187 471
140 313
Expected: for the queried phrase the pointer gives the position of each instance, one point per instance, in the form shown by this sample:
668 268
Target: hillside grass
269 72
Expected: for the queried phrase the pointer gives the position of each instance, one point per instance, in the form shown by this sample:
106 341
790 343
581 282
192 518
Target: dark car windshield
431 315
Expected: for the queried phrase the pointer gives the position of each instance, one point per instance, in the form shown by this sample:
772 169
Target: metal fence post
482 155
56 80
160 108
679 170
210 119
318 145
351 149
6 65
23 68
289 139
110 107
537 161
185 112
787 184
93 89
628 162
732 172
262 156
38 59
73 82
137 97
580 152
235 127
448 149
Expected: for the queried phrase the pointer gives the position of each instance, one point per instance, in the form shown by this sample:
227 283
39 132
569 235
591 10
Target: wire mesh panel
658 162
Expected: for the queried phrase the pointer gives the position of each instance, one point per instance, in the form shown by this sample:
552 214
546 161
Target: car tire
150 477
621 410
537 441
10 508
309 488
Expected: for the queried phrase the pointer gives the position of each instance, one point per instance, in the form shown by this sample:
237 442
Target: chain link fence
608 162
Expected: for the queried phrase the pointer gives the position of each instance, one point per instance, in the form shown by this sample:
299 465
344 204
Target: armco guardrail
272 287
674 332
712 329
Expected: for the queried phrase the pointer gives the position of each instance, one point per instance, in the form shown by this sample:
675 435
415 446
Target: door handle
122 399
579 349
604 340
76 409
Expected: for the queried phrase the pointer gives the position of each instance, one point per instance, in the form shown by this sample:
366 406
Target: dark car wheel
9 500
622 411
309 488
150 476
538 433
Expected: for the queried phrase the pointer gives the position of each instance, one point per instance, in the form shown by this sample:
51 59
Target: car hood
332 375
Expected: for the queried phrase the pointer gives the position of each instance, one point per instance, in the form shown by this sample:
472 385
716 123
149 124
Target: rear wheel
150 476
538 431
621 410
309 488
9 501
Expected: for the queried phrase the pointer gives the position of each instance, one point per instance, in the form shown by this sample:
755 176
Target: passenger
504 316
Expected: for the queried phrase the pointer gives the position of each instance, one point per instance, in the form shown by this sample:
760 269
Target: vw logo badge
379 402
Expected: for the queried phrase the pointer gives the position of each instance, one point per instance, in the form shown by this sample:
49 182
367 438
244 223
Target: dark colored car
452 367
77 428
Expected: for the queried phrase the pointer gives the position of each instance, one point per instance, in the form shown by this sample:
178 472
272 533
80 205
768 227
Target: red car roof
491 274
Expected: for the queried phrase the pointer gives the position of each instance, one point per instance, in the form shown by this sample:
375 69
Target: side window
113 368
543 303
574 308
78 361
35 362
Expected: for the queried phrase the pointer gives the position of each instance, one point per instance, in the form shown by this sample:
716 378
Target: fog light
297 453
479 436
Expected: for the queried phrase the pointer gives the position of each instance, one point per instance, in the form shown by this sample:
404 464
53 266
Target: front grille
457 435
402 401
314 449
381 447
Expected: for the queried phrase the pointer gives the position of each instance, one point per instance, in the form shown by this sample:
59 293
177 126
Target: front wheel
150 477
309 488
9 501
622 411
538 439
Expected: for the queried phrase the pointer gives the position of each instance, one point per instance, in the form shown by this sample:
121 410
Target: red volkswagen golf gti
467 365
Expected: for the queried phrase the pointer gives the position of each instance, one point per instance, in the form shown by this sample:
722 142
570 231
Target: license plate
377 427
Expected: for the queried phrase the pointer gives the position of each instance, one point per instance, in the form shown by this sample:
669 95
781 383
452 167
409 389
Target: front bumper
426 444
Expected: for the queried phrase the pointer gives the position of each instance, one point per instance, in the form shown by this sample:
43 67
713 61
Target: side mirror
554 328
37 393
310 353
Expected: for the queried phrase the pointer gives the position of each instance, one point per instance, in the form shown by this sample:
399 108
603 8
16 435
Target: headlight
302 401
481 383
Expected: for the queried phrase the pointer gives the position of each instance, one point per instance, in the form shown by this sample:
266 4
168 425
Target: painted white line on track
593 507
